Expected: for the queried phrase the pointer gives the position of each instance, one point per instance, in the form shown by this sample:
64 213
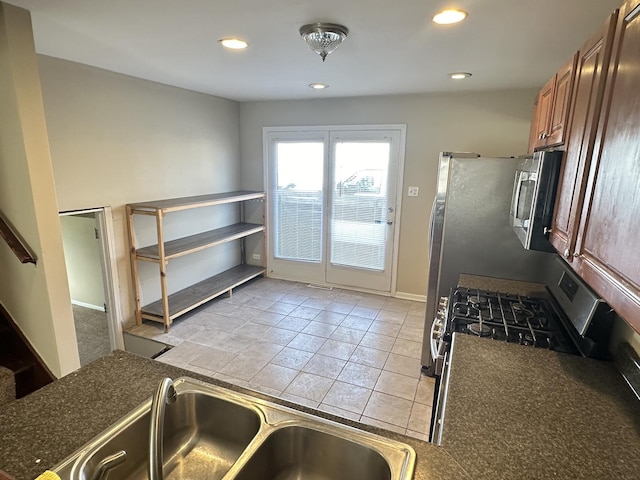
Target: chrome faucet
108 463
165 393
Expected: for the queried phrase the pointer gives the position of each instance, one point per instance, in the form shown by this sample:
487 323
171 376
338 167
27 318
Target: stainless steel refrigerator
470 231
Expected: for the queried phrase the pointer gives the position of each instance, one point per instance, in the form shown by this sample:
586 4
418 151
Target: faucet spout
165 393
108 463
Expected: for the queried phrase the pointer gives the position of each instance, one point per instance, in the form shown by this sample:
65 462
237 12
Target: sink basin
199 430
215 433
292 453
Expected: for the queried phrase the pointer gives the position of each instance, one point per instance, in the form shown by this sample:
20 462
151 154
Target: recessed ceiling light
449 16
233 43
459 75
318 86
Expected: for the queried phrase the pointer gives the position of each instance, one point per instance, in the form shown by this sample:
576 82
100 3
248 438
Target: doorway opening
87 237
334 201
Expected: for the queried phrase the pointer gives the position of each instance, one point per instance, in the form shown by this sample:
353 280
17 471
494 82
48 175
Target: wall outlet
256 256
412 191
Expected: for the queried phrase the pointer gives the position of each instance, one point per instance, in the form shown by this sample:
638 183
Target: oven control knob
437 329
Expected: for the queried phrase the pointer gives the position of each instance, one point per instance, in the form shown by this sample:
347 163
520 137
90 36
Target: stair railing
17 245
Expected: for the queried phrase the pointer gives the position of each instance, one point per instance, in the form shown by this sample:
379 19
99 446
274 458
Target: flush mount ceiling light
318 86
449 16
233 43
459 75
324 38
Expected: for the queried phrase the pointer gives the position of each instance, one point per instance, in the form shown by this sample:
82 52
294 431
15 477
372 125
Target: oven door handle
434 345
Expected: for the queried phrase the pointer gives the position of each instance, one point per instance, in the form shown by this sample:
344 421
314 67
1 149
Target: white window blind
298 201
359 205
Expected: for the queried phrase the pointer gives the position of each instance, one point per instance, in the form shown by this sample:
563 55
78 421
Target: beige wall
490 123
117 139
37 297
82 257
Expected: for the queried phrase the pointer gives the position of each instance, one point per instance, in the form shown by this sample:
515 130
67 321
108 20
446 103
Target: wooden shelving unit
171 306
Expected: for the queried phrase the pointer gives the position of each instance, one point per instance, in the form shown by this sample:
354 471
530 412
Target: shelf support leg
134 265
162 263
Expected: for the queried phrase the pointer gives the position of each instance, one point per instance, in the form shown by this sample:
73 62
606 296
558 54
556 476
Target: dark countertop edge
36 429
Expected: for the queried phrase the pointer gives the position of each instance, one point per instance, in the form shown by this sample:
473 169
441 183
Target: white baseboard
411 296
88 305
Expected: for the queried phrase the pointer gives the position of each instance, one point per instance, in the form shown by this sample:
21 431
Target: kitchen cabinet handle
547 231
566 253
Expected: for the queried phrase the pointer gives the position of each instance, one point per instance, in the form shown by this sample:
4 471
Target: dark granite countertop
44 428
502 285
516 412
534 414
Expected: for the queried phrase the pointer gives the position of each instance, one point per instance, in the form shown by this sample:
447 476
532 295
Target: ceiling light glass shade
233 43
324 38
459 75
447 17
318 86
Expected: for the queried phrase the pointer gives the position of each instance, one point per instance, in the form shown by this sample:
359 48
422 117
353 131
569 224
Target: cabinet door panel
561 101
533 129
545 106
609 234
588 90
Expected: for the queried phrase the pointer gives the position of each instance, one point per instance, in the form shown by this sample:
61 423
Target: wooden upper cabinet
608 241
561 100
588 91
552 110
543 112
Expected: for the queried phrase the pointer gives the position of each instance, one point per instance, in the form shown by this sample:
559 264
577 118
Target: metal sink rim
400 457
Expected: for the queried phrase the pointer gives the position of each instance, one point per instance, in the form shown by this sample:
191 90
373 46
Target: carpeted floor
92 333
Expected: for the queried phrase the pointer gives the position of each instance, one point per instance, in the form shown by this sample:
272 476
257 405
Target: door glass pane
359 204
298 201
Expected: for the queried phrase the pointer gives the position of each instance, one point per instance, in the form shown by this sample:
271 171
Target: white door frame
104 224
343 128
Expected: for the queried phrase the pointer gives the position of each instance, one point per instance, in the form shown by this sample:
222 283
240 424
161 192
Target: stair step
15 364
5 337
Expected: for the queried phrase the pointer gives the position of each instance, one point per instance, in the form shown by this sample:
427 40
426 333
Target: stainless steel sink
215 433
292 453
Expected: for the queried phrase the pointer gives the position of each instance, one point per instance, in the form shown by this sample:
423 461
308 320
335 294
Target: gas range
567 317
507 317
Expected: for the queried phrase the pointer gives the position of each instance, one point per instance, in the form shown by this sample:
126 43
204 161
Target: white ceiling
392 48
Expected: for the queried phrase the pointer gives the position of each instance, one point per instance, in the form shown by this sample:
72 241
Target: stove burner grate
479 329
506 317
521 309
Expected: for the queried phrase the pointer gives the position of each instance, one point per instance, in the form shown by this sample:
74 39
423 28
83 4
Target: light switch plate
412 191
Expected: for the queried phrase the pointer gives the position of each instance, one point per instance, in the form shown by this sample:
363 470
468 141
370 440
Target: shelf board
199 241
191 297
184 203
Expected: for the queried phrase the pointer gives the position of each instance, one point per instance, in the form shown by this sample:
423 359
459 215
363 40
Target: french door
332 204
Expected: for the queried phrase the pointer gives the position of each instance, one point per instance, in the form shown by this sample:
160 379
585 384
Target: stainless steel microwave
534 193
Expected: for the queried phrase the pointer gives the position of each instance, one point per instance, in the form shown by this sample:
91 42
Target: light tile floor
352 354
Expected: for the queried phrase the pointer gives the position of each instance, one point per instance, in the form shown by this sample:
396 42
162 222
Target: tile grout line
228 309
